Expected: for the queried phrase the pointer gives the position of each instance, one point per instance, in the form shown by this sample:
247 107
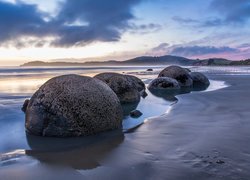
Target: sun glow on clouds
132 28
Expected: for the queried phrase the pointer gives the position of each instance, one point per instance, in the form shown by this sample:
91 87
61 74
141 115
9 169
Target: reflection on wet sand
78 153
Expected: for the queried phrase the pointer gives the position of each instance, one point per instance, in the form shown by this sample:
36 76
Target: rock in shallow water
128 88
199 79
124 89
73 105
178 73
164 83
135 113
25 105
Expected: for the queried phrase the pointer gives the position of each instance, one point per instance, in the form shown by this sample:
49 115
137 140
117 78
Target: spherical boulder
199 79
73 105
137 82
178 73
128 88
105 77
124 89
164 83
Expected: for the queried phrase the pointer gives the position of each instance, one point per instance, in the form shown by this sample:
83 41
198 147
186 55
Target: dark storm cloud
19 19
189 51
233 11
78 22
229 12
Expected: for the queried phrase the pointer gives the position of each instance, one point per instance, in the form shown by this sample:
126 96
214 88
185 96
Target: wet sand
205 135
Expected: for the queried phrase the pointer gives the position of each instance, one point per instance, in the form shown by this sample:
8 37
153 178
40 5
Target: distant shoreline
147 61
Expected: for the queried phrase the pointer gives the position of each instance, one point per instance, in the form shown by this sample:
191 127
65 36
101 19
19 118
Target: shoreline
205 135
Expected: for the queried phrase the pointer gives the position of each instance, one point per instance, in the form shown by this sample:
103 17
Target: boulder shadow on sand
78 153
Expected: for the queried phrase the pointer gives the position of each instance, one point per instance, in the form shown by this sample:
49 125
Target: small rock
25 105
143 94
149 69
220 162
135 113
188 70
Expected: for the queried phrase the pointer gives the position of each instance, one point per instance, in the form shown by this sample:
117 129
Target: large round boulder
105 77
128 88
124 89
164 83
178 73
139 84
199 79
73 105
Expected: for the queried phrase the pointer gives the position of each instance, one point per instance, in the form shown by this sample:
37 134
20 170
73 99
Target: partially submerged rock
106 76
199 79
138 83
178 73
188 70
73 105
164 83
128 88
124 89
150 69
135 114
25 105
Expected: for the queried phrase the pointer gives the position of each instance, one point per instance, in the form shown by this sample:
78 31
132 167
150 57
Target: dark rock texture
73 105
125 89
25 105
135 113
137 82
178 73
199 79
164 83
128 88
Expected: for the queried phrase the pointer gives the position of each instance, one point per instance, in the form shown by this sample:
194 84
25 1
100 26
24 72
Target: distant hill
213 62
146 60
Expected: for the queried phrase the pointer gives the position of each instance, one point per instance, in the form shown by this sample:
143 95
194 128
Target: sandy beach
204 135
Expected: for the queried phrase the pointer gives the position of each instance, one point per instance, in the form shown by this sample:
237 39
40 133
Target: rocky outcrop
73 105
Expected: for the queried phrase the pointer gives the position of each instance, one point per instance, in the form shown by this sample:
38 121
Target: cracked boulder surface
178 73
126 87
73 105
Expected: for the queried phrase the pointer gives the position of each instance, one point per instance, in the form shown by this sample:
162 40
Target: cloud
77 23
233 11
144 28
182 20
19 20
190 51
159 50
229 12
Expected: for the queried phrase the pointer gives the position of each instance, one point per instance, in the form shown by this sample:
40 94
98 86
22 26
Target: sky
84 30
